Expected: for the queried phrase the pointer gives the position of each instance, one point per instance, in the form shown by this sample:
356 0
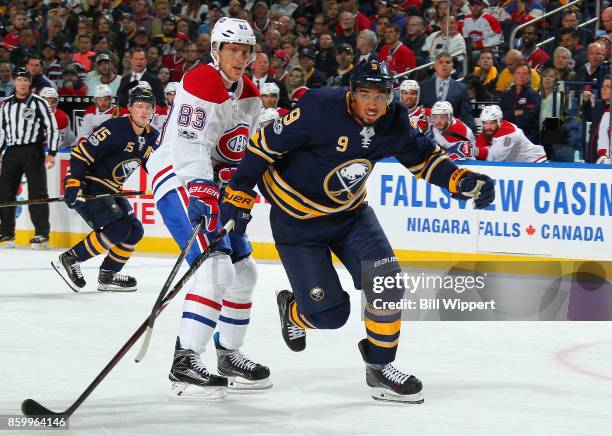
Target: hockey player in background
161 113
216 109
410 92
102 110
101 164
314 179
502 141
451 133
269 93
67 137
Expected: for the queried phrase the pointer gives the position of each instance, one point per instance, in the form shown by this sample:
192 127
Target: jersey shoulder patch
506 129
205 83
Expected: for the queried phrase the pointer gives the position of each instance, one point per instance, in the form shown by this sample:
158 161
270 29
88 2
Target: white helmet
269 88
442 108
231 30
492 113
103 91
410 85
49 92
171 87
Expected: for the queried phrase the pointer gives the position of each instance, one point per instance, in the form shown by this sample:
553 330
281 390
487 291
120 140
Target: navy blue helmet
372 74
141 93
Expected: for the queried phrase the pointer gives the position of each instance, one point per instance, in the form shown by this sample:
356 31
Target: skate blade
113 288
40 246
388 396
58 269
9 244
186 392
241 384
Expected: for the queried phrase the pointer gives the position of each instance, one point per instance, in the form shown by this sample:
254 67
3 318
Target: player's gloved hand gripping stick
465 184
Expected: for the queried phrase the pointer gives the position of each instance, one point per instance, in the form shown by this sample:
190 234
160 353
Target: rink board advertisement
546 210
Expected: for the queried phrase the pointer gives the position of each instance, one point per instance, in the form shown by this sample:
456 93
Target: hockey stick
85 197
162 294
33 408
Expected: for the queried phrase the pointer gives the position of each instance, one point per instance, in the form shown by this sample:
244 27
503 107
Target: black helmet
374 74
141 93
22 72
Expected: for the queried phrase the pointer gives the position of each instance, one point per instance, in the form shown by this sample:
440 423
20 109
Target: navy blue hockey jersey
112 153
315 161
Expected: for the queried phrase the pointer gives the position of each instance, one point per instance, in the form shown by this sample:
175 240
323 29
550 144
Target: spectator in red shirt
399 57
534 56
19 22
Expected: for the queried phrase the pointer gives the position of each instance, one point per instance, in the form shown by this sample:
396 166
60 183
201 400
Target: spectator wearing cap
138 72
416 37
314 78
203 45
367 41
344 58
38 79
482 28
72 83
84 54
20 21
64 54
280 62
533 56
284 7
521 104
347 34
166 38
141 38
50 62
261 69
595 69
399 57
142 9
214 14
103 74
6 81
325 59
512 59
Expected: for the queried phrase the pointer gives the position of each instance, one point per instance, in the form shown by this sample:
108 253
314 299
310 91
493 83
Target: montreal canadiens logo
233 143
347 181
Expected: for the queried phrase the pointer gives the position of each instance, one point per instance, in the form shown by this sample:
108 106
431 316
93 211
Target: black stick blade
32 408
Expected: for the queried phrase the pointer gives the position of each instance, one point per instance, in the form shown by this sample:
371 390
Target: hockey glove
203 203
237 205
466 184
72 187
460 151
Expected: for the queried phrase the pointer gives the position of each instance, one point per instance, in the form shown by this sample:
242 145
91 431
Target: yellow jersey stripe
264 144
120 252
95 243
383 344
116 259
383 328
260 154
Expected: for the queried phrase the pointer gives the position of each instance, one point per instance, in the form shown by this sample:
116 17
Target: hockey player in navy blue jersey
314 179
101 164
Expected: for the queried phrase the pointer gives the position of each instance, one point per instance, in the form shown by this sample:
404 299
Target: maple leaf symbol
530 230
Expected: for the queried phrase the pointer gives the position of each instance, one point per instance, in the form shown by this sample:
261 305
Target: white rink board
550 210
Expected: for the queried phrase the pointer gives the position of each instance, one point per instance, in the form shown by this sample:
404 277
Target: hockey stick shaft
56 199
147 338
32 408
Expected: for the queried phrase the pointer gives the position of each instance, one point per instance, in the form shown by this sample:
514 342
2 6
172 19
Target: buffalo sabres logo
123 170
347 181
233 143
317 294
27 114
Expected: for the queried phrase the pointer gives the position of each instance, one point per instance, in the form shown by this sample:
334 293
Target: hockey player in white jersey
410 92
102 110
452 134
215 110
160 116
502 141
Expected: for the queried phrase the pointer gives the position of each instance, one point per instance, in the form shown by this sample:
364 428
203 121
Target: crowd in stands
304 44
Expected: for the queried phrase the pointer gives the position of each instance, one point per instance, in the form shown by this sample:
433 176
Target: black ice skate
242 372
191 380
390 384
294 336
7 241
39 242
69 269
114 282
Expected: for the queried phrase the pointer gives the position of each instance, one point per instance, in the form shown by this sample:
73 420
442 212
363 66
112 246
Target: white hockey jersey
484 30
456 132
93 117
603 135
509 144
207 126
420 117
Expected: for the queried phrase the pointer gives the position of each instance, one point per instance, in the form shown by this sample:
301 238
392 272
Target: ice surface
479 378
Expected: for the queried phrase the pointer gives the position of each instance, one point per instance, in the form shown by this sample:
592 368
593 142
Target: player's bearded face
103 103
141 113
368 104
409 98
489 128
440 122
233 60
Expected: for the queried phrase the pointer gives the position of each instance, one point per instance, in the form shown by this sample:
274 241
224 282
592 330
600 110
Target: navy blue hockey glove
460 150
72 187
468 184
237 205
203 203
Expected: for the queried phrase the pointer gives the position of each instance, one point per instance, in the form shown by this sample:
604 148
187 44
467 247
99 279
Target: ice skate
115 282
390 384
191 381
242 373
294 336
7 241
69 269
39 242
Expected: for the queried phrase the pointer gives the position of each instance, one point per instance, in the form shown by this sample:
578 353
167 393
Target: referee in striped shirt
25 121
